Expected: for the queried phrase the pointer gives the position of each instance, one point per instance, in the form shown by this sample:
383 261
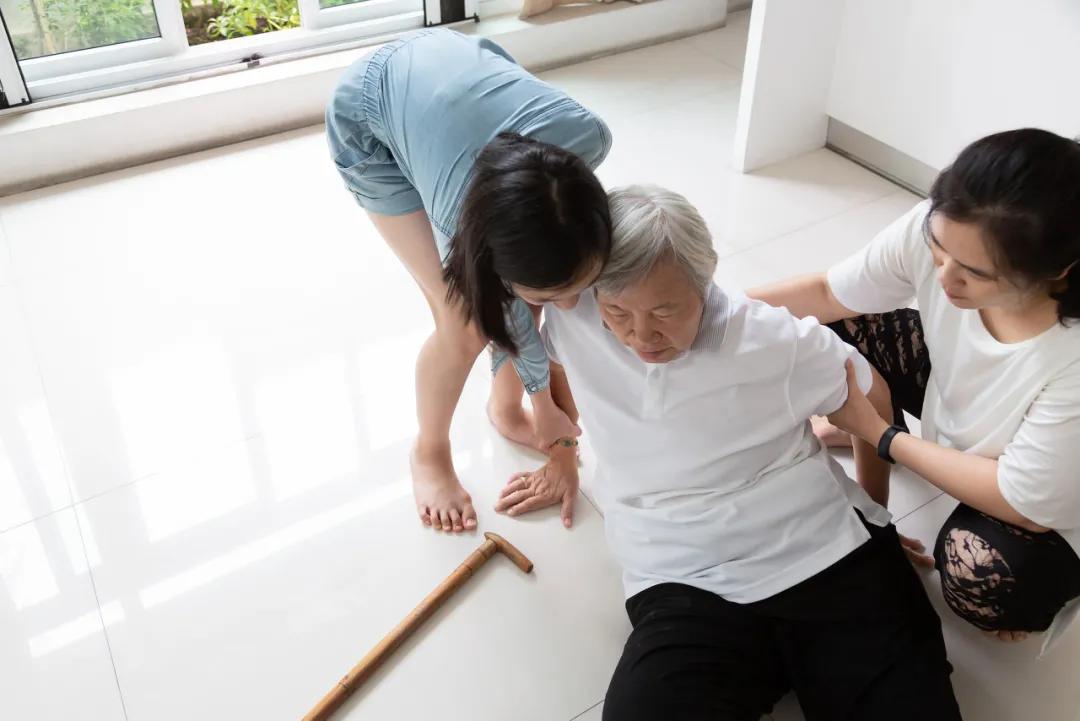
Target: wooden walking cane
362 671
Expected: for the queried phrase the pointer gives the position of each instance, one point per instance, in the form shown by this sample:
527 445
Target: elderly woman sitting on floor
752 564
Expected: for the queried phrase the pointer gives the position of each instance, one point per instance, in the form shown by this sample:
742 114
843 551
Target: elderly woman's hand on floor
555 482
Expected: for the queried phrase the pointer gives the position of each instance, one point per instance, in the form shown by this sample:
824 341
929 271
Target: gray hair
650 223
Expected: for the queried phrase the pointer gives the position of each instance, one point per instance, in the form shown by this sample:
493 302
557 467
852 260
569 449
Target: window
12 85
59 37
44 29
326 13
69 46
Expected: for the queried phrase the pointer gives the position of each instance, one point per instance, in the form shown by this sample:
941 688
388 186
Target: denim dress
405 126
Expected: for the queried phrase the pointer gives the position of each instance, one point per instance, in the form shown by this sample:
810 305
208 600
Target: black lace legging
994 575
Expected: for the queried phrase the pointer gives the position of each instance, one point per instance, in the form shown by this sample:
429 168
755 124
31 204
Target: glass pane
336 3
208 21
50 27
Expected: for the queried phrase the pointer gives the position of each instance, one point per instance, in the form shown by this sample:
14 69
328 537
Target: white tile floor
205 403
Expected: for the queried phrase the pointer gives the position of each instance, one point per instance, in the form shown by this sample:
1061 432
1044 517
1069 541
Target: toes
423 512
444 517
1008 636
455 519
468 516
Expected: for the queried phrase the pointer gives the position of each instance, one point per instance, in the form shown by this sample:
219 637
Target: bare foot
829 434
515 425
441 501
1008 636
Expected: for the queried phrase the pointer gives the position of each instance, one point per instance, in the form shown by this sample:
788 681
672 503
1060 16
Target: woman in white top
990 362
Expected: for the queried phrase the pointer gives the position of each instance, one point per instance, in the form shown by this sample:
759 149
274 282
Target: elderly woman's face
657 318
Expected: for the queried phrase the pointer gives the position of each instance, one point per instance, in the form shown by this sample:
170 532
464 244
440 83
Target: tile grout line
35 355
919 508
35 519
801 228
5 248
587 710
74 504
691 40
179 462
590 502
101 617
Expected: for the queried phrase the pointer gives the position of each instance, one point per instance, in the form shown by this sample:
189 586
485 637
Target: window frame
136 63
171 40
13 91
315 17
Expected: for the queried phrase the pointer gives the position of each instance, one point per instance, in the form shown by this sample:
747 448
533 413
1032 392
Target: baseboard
880 158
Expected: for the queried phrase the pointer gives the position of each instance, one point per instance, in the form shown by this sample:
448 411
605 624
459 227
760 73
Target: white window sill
48 145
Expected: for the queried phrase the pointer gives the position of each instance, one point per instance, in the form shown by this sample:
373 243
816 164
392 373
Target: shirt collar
710 335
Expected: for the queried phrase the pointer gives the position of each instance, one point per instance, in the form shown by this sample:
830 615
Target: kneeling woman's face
965 268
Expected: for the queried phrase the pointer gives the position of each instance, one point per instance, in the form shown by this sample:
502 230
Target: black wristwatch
886 442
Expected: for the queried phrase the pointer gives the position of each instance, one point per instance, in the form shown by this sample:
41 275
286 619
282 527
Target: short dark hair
535 215
1022 188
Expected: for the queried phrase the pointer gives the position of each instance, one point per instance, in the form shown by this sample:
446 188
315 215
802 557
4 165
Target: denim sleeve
531 362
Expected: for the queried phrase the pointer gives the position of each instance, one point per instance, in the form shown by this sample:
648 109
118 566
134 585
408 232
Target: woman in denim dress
480 178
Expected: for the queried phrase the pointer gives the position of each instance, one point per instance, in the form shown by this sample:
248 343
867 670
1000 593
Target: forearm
552 420
969 478
531 361
804 296
560 392
871 471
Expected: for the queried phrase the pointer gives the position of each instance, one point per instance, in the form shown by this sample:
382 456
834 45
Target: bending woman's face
565 297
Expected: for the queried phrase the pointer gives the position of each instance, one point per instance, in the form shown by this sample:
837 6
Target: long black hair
534 215
1022 188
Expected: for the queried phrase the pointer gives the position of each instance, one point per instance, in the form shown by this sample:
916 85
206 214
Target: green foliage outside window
58 26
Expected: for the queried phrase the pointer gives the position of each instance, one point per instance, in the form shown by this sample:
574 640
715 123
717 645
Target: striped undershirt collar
713 320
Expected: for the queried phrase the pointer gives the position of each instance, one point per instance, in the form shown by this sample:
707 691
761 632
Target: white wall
926 77
789 64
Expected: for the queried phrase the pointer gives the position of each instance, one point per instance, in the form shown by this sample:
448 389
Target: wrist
885 443
564 448
873 430
566 461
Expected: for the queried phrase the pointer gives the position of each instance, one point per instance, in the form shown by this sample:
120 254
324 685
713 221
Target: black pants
857 642
994 575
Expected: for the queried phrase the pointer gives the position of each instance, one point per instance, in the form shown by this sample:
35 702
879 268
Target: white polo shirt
709 473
